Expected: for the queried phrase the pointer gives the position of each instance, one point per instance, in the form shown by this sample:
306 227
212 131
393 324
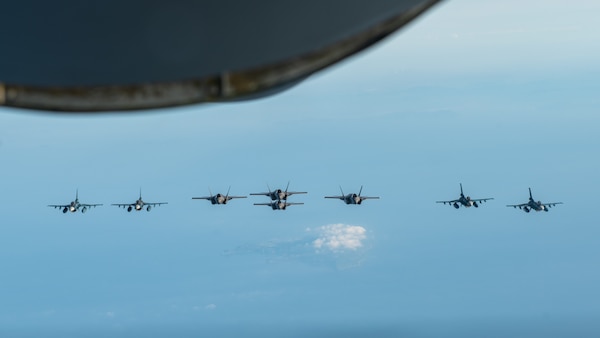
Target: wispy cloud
339 246
340 237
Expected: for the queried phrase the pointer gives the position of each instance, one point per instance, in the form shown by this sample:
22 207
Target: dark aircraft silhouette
533 205
278 205
218 198
465 201
352 198
278 194
138 204
74 205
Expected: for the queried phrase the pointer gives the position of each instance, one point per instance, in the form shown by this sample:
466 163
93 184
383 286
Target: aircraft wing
288 204
59 206
123 205
155 204
449 202
89 205
200 198
517 205
482 199
338 197
262 204
552 204
261 193
369 198
296 192
232 197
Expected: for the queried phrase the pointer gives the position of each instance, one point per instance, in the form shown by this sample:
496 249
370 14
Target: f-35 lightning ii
278 205
352 198
278 194
218 198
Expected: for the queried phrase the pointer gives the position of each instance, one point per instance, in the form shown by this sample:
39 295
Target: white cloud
338 237
110 314
210 307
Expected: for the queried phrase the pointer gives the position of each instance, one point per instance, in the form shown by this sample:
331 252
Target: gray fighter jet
74 205
218 198
278 205
139 204
465 201
533 205
352 198
279 195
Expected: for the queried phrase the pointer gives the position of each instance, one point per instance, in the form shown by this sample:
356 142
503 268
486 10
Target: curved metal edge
229 86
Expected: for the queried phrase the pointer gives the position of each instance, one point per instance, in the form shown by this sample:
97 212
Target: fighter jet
218 198
74 205
533 205
465 201
138 205
279 195
352 198
278 205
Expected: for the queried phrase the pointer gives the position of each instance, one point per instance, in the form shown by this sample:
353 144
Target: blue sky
500 96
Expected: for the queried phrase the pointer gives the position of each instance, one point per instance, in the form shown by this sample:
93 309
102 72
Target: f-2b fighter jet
74 205
138 204
533 205
465 201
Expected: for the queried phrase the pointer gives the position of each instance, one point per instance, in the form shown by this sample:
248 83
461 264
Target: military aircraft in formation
465 201
278 194
279 201
279 205
138 204
74 205
218 198
279 197
533 205
352 198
